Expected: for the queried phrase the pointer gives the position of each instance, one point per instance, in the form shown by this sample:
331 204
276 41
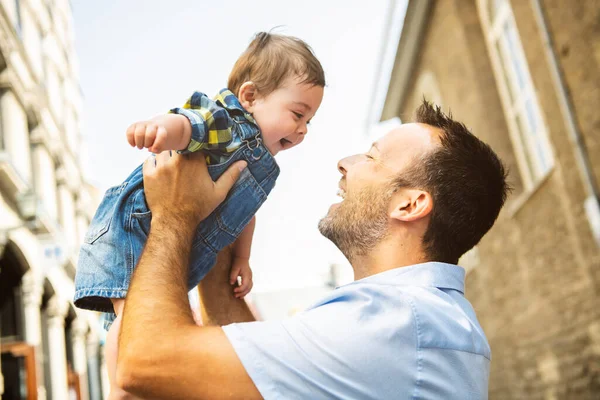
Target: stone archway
12 269
18 364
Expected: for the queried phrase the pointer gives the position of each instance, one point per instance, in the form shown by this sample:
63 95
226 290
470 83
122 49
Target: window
527 129
2 145
32 40
18 26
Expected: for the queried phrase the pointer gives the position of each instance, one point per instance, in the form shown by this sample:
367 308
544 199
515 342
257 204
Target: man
421 197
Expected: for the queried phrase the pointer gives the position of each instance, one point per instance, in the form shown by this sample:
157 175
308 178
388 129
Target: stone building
50 350
525 77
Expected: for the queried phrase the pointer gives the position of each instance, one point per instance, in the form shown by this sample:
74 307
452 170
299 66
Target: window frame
527 129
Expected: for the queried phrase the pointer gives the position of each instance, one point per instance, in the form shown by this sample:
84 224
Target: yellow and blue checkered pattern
212 123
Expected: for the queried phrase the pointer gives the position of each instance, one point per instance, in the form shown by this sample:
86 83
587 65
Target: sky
140 58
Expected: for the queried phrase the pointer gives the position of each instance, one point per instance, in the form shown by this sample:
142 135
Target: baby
274 89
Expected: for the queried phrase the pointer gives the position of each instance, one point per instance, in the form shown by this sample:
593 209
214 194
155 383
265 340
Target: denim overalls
118 232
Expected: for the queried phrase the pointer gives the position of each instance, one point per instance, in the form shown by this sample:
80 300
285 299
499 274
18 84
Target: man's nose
345 163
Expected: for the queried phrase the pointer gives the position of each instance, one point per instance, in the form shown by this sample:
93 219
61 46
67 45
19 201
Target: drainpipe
591 204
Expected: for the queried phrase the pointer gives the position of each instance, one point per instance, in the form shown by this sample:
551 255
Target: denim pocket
104 214
243 201
143 219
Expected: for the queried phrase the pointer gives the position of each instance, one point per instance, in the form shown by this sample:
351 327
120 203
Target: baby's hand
241 268
148 134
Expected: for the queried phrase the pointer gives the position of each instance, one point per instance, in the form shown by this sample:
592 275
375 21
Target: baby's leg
112 350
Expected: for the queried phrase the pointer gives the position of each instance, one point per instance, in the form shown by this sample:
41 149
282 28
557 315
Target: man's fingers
229 177
149 166
167 157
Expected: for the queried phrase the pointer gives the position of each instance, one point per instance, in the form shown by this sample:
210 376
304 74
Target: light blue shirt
407 333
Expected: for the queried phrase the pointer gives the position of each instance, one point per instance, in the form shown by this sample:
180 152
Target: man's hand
179 188
159 341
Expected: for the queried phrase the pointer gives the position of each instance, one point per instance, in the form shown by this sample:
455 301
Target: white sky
140 58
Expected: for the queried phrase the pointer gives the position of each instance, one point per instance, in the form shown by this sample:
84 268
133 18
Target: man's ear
247 95
411 205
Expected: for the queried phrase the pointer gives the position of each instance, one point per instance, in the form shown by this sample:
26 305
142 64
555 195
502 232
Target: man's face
361 220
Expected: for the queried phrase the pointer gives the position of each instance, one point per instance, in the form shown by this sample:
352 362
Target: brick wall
536 287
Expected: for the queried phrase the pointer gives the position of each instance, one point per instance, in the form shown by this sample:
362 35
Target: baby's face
283 115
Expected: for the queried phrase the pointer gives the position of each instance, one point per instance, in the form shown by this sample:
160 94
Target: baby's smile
284 141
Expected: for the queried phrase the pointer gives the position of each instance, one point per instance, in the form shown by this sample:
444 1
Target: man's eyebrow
302 104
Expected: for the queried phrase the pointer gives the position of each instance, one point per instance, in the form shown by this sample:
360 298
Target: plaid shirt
213 130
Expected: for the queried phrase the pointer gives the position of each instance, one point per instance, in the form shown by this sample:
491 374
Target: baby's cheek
273 147
269 135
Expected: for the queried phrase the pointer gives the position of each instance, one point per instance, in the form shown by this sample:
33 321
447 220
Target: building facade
525 77
50 350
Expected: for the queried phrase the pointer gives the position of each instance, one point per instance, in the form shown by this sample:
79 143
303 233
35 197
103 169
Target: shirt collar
431 274
228 100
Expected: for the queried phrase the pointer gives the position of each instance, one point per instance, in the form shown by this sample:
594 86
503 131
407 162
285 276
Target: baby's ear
247 95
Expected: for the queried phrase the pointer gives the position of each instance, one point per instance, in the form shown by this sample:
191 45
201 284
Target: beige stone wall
575 30
536 284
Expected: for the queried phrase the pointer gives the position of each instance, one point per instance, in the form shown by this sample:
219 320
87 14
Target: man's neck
388 254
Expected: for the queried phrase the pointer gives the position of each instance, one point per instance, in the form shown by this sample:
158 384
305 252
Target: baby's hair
272 58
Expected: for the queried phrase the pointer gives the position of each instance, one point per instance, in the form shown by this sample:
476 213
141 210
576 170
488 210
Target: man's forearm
157 309
162 352
218 304
159 281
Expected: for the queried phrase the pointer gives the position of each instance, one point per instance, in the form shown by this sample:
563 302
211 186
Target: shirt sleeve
323 353
211 124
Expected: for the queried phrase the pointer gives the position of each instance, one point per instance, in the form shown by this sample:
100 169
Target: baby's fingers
246 285
235 272
243 290
150 136
140 135
160 142
131 135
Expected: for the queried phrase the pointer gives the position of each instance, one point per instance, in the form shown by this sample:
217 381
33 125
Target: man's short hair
467 182
272 58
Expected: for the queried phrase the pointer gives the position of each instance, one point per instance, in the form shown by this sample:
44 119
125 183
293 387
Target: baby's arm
240 264
164 132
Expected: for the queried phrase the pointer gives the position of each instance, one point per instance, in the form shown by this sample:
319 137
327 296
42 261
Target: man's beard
357 224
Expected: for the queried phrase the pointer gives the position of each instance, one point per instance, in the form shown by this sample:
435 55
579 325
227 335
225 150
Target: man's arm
163 353
218 304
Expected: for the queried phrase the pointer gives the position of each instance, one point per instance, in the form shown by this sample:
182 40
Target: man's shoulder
378 330
431 317
446 320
